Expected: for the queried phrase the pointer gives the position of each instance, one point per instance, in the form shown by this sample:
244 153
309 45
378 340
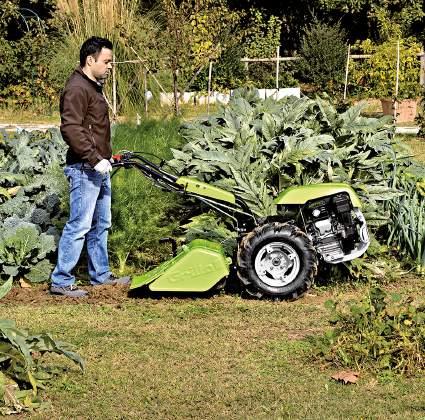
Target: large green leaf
268 127
18 245
6 287
40 272
17 349
46 245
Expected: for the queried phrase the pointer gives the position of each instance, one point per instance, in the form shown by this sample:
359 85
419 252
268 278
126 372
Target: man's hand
103 167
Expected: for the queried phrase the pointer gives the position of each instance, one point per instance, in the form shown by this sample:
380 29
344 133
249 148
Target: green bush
380 333
376 76
261 41
228 72
324 53
25 47
262 36
263 75
142 213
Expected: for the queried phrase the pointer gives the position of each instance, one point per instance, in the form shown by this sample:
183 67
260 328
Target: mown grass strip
216 358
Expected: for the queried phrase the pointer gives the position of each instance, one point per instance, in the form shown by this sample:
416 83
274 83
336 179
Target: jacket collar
97 85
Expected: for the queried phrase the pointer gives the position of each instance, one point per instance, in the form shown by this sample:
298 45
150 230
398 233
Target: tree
24 47
385 18
197 31
324 52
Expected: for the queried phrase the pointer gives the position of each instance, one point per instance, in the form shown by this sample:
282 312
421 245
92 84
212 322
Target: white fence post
114 91
277 67
346 72
209 87
396 80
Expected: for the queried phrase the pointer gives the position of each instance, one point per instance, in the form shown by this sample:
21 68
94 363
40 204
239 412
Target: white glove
103 167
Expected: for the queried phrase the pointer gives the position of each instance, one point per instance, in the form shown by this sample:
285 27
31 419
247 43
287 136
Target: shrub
263 75
324 53
142 213
262 37
261 41
24 50
228 72
379 333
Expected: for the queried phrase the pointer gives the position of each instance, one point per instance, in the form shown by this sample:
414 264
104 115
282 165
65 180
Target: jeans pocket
67 172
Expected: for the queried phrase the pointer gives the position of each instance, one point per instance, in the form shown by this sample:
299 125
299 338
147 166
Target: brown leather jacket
85 123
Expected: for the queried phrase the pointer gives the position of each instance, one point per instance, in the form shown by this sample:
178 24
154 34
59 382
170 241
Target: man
85 128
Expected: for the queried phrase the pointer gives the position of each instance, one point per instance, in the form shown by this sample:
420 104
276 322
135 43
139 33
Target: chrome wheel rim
277 264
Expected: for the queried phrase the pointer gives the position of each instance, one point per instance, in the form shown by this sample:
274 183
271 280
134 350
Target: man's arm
73 110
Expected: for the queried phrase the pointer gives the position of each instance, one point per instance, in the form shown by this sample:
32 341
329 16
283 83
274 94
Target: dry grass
133 35
101 17
215 358
418 147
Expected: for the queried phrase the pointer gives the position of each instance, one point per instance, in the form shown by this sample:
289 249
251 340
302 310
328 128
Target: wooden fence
277 59
350 56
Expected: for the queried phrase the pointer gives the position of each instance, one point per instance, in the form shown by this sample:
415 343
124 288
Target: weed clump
380 333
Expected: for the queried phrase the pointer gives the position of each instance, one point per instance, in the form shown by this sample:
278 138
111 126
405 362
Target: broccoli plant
23 250
32 188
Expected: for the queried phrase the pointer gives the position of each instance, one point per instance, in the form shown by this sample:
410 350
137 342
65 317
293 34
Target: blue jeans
90 218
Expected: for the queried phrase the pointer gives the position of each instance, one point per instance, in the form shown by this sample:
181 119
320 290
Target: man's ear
90 60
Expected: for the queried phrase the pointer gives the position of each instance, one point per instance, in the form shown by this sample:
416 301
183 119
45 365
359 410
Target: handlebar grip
117 158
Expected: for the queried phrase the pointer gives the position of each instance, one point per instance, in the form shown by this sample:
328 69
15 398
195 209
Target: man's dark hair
93 46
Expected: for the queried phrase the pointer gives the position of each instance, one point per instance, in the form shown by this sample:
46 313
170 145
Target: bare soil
40 295
408 284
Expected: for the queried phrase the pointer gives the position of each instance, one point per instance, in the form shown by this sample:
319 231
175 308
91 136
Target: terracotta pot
406 109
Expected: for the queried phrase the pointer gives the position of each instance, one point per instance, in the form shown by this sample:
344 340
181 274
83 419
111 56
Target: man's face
101 67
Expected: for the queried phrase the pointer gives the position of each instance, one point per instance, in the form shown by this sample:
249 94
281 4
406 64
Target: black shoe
113 281
69 291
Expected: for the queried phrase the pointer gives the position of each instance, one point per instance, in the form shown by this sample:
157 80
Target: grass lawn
208 358
26 116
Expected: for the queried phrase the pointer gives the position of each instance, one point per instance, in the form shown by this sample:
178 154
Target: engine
338 231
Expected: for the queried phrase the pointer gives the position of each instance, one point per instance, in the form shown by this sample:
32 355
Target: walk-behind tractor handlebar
220 200
277 256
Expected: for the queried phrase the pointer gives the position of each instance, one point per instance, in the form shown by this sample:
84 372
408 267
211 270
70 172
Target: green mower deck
197 268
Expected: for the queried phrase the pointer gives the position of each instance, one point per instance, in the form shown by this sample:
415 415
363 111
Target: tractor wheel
276 260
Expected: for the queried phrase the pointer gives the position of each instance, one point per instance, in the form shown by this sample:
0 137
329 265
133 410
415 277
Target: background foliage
376 76
325 52
181 37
